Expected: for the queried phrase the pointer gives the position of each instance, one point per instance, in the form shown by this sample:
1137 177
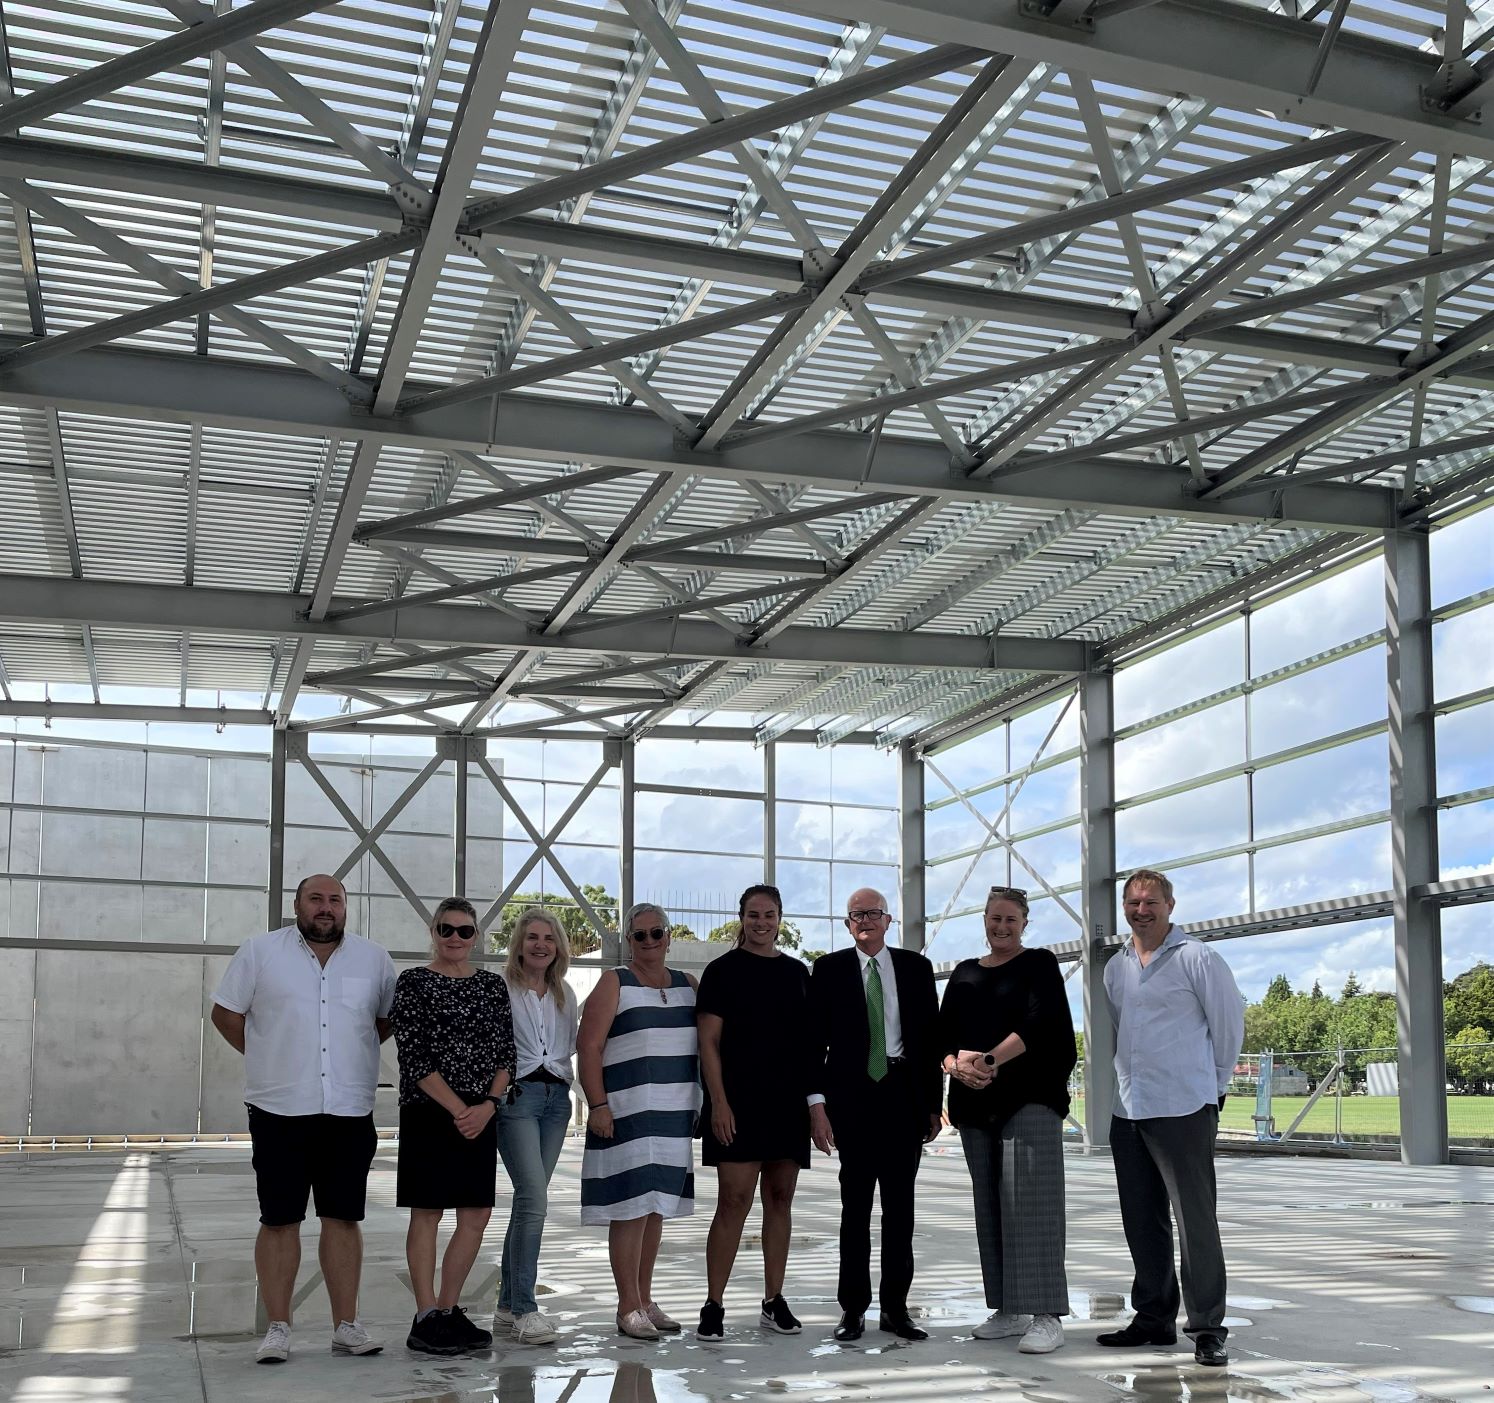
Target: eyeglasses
860 918
1008 891
653 933
446 932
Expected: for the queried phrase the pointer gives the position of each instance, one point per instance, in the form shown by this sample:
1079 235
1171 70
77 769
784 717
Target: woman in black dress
454 1029
1008 1041
750 1014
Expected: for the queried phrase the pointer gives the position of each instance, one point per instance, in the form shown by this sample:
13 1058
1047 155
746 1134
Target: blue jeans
530 1134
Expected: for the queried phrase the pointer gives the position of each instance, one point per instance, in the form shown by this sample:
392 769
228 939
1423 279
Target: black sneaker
712 1322
777 1316
465 1333
432 1335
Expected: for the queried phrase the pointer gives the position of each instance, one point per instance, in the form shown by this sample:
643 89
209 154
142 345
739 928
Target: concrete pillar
1413 840
1097 830
276 875
914 894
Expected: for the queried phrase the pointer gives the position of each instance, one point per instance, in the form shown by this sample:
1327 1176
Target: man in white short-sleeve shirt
308 1006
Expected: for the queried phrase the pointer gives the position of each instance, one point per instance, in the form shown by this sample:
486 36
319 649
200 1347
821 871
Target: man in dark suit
875 1096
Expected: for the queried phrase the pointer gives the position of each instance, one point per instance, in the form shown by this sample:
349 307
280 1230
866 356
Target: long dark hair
761 889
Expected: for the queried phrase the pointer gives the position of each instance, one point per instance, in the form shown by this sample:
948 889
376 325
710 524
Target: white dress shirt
544 1034
1179 1023
310 1044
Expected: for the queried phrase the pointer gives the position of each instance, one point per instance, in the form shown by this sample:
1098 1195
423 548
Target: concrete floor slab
128 1277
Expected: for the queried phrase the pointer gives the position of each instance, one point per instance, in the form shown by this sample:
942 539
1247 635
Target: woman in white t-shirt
531 1128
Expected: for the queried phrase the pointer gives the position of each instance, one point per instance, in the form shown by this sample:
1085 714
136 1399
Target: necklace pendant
663 996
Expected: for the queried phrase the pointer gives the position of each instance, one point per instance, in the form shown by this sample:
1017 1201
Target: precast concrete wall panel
223 1110
238 787
176 784
484 806
96 778
233 916
175 850
26 781
113 1051
172 914
309 850
17 993
25 840
430 808
89 911
305 802
22 903
89 845
424 862
238 853
396 925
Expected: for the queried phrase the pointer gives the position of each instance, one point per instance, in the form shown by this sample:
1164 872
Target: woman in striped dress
636 1052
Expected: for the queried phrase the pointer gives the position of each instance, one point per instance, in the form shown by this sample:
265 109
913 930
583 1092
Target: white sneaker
1000 1326
503 1320
275 1348
1043 1336
533 1329
351 1338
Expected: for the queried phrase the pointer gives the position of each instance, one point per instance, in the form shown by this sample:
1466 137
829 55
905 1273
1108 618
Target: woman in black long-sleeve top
454 1029
1008 1043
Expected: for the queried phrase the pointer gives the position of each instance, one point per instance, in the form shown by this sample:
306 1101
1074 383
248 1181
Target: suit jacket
840 1040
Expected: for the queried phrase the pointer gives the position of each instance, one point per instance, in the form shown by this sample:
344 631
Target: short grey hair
638 908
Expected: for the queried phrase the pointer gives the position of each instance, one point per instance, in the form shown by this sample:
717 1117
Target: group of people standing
760 1058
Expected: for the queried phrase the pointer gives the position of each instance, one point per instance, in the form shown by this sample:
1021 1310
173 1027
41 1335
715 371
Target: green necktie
876 1025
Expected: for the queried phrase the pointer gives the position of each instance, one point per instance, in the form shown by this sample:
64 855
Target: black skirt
438 1166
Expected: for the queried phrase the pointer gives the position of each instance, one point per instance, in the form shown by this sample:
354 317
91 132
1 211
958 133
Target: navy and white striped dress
650 1073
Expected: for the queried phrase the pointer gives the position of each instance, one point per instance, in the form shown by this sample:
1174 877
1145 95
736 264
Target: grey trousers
1161 1163
1016 1177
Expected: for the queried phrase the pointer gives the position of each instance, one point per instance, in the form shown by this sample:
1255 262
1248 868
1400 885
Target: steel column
1414 861
1097 836
276 875
911 838
611 939
770 814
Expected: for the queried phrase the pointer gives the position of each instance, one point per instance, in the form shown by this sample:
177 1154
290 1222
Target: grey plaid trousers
1016 1176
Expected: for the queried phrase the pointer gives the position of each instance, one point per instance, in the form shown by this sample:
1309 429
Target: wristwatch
988 1059
496 1100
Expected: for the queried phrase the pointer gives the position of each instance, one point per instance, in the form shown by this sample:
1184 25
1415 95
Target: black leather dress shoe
1135 1335
1209 1349
851 1326
902 1326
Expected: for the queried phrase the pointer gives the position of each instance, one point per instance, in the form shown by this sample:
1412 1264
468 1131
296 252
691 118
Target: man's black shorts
296 1157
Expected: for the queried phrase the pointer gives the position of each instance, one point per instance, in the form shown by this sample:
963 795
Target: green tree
583 938
1317 991
1471 1066
789 935
1352 988
1278 991
1470 999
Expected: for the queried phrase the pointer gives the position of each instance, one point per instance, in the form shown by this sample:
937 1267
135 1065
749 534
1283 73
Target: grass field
1468 1117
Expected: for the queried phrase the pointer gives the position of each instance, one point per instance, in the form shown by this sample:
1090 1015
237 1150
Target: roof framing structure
606 362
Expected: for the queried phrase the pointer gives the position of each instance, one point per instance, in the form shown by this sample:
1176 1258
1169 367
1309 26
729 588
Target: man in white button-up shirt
308 1006
1179 1023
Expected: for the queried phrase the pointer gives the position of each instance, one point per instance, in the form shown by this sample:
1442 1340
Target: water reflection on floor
152 1298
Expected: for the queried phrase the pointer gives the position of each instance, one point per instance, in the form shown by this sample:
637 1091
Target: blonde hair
555 971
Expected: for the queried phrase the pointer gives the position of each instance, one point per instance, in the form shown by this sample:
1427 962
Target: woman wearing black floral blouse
455 1033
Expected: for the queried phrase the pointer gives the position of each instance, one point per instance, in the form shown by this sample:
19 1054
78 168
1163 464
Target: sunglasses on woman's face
449 932
653 933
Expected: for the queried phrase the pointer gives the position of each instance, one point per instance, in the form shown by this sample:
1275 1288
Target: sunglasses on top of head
652 933
449 932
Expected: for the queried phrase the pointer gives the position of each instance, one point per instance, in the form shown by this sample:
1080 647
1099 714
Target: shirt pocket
356 991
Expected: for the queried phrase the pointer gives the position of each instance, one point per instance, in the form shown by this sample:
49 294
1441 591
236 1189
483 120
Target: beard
323 935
